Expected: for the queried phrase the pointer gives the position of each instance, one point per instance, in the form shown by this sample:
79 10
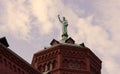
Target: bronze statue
64 26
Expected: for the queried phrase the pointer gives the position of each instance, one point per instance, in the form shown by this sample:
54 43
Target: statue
64 26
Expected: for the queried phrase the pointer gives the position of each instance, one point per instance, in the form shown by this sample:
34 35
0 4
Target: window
54 64
48 66
82 65
0 59
73 65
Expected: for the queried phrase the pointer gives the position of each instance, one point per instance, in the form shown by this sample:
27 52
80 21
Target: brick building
11 63
67 57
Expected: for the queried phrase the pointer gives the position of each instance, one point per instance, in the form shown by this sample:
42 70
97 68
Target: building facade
11 63
66 57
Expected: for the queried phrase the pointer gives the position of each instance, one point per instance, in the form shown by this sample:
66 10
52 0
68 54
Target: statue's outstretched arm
59 18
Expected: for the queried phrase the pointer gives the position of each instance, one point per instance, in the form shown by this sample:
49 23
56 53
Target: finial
64 23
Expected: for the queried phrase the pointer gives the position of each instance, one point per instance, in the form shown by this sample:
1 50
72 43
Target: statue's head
63 18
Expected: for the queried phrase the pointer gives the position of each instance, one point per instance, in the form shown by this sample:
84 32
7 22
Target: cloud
21 16
108 16
46 13
14 20
101 37
111 66
99 30
40 10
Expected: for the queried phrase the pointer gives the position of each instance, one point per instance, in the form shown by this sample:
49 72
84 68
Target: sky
30 25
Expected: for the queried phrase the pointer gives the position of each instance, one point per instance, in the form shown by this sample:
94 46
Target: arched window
53 53
14 67
5 61
10 65
18 69
82 65
76 65
44 67
65 63
48 66
46 56
54 64
39 58
0 59
40 68
49 54
42 57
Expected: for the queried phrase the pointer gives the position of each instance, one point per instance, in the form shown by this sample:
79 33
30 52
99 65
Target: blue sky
31 25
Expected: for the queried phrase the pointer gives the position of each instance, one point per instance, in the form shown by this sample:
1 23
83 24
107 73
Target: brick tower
67 57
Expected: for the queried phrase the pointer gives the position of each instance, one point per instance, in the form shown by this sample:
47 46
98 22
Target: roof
9 54
4 41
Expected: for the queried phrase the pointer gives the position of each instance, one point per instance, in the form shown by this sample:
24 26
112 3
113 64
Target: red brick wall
69 60
11 63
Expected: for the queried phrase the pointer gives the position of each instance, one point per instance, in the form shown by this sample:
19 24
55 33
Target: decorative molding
46 66
54 42
70 40
71 59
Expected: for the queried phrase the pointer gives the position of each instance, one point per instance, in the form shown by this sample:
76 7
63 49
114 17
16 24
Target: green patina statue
64 26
